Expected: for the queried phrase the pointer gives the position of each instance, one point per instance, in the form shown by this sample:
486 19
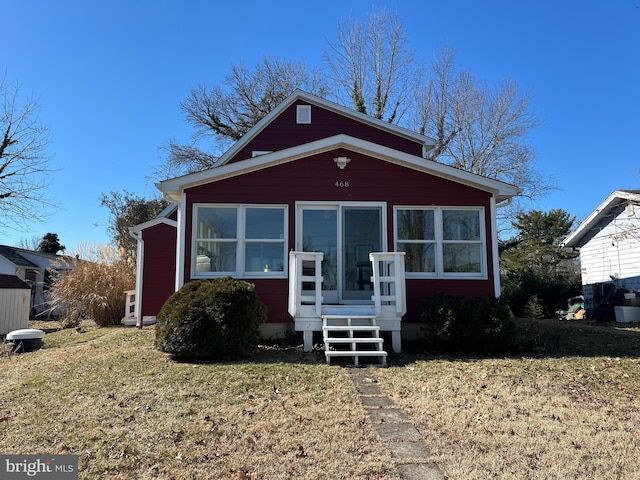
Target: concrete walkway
397 433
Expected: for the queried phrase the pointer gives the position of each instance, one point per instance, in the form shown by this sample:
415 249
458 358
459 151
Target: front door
346 234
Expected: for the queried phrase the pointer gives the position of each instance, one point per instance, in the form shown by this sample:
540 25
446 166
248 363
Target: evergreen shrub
210 319
466 325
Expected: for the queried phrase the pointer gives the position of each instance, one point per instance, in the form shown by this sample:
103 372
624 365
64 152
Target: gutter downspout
139 274
494 248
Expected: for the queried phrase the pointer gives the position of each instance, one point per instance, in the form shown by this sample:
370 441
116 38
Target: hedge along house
298 204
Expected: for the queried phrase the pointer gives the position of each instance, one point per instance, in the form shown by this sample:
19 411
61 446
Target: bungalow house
609 244
335 216
35 268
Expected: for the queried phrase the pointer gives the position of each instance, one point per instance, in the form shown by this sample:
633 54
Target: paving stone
368 389
419 471
391 415
376 401
397 432
392 425
407 449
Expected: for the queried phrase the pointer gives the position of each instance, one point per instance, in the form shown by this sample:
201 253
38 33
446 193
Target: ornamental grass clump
94 288
210 319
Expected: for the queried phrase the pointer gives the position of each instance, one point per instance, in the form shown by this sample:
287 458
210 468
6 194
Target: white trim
573 240
173 187
495 254
303 115
240 241
139 280
152 223
439 242
180 241
137 232
339 207
298 95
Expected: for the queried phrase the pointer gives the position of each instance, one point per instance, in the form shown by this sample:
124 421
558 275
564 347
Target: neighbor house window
441 241
239 240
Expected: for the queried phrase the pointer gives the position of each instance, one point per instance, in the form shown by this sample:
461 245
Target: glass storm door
361 235
346 234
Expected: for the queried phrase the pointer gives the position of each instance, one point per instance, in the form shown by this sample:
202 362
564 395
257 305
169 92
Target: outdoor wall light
341 162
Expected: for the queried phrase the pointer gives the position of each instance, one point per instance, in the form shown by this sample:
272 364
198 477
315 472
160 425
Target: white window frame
241 242
303 114
440 241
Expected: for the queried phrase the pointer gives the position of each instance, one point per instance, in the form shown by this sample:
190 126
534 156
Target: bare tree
480 128
223 114
373 66
29 243
24 162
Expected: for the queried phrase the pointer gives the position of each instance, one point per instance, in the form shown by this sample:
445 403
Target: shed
15 297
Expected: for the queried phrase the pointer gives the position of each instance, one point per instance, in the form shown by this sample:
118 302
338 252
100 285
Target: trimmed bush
210 319
464 325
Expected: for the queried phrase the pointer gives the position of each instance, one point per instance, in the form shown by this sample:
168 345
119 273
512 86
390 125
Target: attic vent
304 114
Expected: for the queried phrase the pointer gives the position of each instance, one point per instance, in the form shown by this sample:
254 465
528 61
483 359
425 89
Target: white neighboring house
609 243
34 268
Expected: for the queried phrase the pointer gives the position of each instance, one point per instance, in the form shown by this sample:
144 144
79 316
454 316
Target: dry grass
562 417
94 287
128 411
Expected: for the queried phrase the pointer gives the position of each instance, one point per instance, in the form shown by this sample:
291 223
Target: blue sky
109 77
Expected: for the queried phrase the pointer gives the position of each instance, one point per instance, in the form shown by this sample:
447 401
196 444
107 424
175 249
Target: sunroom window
239 240
461 241
441 241
415 233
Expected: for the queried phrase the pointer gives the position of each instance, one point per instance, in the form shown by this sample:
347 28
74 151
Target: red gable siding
284 132
314 179
158 282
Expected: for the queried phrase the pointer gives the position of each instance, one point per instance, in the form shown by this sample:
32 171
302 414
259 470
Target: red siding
158 278
284 132
314 179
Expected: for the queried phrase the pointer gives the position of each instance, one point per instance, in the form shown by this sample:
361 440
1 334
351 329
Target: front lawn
129 411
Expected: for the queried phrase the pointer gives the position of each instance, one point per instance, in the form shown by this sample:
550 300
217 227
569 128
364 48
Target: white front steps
346 336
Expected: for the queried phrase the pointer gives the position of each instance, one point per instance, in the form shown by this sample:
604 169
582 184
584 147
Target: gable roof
17 256
163 217
173 188
13 255
134 230
601 216
13 282
427 142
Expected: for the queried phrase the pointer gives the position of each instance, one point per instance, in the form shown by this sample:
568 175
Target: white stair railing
388 282
129 304
297 279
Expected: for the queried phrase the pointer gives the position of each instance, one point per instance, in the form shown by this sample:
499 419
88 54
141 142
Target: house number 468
342 184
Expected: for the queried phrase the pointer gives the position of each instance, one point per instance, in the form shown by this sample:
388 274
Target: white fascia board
174 187
427 143
151 223
502 190
573 240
